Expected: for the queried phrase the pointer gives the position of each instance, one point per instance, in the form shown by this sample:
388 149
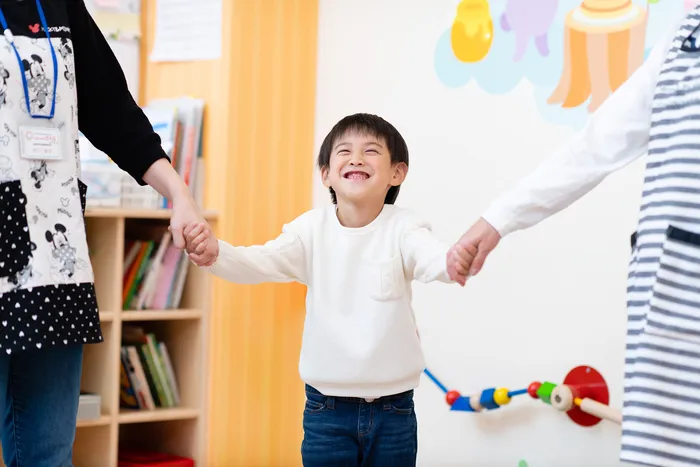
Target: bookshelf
179 430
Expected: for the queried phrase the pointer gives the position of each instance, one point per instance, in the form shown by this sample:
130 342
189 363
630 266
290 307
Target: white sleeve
424 255
280 260
616 135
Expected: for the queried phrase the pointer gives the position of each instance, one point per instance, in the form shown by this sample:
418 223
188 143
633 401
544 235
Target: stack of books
148 380
154 274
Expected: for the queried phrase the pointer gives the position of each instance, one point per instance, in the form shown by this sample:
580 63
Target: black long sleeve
107 113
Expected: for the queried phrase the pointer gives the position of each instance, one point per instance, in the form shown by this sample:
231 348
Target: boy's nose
357 159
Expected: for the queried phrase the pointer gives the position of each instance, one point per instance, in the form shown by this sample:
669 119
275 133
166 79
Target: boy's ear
325 178
399 175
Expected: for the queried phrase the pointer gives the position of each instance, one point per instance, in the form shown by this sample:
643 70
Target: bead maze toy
583 396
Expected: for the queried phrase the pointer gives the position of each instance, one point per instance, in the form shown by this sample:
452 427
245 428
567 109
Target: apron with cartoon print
47 296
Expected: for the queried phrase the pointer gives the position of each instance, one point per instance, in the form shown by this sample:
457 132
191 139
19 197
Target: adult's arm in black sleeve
107 113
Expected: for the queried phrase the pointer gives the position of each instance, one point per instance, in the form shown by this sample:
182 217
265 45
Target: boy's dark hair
366 124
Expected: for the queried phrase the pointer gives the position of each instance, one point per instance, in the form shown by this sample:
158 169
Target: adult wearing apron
657 113
58 76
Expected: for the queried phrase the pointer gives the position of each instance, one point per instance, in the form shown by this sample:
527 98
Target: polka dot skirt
54 315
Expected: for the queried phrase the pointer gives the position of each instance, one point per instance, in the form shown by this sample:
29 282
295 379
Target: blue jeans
348 431
39 393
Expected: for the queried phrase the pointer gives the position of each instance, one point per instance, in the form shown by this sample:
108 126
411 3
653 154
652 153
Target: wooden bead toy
562 398
545 391
452 396
533 388
597 409
467 404
486 399
585 383
583 396
475 404
501 396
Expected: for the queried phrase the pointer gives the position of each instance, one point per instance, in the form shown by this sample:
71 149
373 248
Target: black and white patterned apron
47 296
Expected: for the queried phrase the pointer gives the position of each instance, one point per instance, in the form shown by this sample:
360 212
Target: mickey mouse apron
47 296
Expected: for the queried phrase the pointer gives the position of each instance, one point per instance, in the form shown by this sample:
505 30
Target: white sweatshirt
360 337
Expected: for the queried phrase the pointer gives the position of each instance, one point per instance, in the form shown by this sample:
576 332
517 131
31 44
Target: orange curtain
258 149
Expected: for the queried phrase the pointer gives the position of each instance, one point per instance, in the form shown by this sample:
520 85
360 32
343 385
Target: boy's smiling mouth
356 175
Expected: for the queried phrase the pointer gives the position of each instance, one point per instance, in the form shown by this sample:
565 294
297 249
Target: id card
42 143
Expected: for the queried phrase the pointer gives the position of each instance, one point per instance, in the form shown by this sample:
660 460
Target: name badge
40 143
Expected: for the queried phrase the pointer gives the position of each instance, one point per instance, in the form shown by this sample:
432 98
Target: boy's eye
373 150
343 152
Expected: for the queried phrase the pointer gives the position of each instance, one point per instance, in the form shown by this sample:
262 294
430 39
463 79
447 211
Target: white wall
550 298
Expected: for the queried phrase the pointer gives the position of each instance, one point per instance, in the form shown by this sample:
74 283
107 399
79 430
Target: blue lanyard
10 38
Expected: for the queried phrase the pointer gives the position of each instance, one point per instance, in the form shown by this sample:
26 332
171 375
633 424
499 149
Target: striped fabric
661 410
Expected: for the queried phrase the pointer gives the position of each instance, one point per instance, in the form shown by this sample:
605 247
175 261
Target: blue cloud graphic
497 73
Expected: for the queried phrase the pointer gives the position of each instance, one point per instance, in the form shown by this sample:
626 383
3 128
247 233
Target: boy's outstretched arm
424 255
279 260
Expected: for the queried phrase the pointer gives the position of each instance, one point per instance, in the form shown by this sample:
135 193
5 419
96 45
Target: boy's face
360 169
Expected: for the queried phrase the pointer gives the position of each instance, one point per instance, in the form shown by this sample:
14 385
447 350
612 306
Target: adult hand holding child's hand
467 256
201 244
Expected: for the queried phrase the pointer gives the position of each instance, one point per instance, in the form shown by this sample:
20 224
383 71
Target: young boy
361 356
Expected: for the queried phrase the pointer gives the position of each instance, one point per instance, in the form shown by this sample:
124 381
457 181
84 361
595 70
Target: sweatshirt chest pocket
385 278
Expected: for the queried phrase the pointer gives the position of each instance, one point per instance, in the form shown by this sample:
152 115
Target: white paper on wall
117 6
120 22
187 30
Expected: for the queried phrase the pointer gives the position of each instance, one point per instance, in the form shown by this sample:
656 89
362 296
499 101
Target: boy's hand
479 241
201 244
459 260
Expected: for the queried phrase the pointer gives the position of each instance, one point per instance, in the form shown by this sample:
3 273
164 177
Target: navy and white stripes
661 410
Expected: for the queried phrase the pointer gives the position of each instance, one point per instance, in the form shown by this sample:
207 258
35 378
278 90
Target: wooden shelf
104 420
184 331
106 316
151 315
113 213
160 315
158 415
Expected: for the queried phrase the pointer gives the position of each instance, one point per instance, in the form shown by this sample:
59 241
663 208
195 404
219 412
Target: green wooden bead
545 391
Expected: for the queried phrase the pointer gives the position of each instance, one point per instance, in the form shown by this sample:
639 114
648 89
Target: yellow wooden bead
500 396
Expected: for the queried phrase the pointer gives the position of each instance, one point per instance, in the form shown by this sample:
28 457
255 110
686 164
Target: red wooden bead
452 396
533 388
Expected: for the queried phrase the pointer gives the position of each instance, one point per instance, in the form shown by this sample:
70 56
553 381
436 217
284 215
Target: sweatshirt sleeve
107 113
424 255
280 260
616 135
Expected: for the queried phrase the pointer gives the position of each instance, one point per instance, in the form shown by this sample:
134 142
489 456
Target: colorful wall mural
575 53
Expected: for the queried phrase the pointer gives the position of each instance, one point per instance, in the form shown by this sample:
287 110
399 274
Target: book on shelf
148 380
179 123
154 274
